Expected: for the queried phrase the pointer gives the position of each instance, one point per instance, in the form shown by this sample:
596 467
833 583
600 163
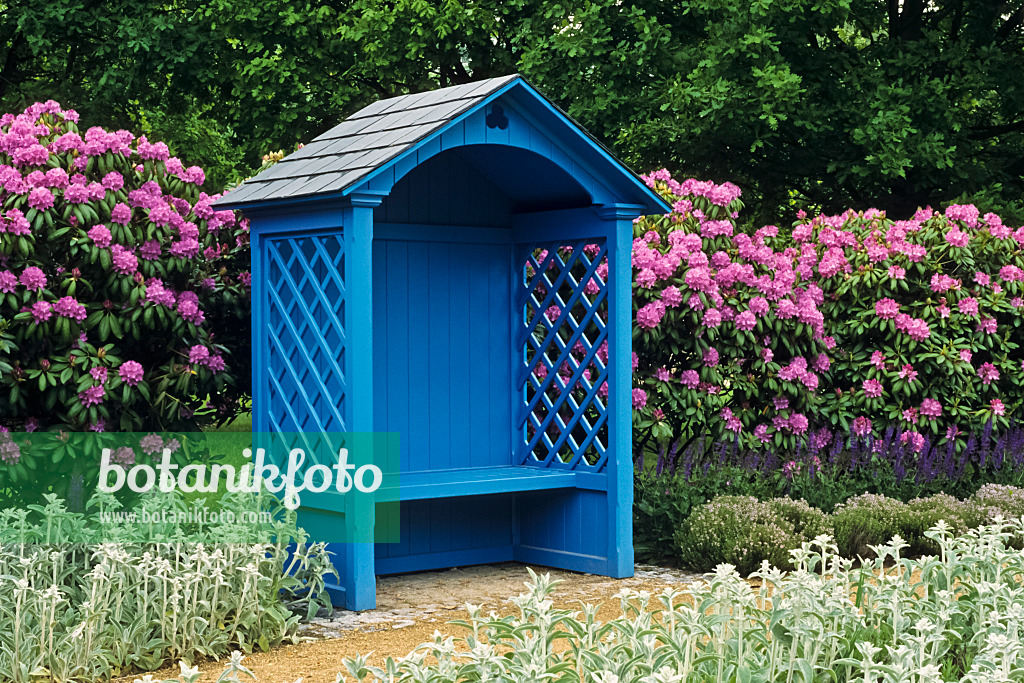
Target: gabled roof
340 159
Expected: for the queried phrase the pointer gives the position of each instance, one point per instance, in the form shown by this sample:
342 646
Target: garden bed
412 606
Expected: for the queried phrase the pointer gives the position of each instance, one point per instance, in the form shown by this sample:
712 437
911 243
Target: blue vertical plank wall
471 292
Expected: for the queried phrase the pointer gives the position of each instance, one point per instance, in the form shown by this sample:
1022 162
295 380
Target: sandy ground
411 607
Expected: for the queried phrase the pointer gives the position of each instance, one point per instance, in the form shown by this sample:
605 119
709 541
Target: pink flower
150 250
8 281
966 355
886 308
113 181
910 415
968 306
646 278
639 398
662 375
216 364
188 308
100 235
758 305
943 310
711 357
99 374
151 443
32 154
1011 273
650 315
798 423
988 373
33 278
41 311
897 273
915 440
745 321
862 426
92 395
987 325
130 372
77 194
68 307
942 283
712 318
690 379
878 360
997 407
958 238
761 432
124 260
123 456
671 296
40 198
198 354
982 279
967 213
187 248
121 214
822 363
872 388
931 408
908 373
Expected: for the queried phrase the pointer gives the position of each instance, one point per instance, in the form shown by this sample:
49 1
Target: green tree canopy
829 103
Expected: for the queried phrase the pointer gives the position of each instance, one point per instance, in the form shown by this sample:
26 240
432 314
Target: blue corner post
357 555
619 221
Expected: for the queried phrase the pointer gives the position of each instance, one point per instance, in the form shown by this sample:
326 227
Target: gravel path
433 597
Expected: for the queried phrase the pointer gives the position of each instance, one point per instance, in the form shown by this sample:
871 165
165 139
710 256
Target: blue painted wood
619 221
455 483
357 559
422 302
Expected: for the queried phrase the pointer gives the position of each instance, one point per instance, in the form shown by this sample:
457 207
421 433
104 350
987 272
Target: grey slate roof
347 153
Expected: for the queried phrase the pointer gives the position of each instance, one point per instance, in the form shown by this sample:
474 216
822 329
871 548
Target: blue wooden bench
454 266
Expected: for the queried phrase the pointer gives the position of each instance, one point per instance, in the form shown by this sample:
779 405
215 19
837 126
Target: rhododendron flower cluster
108 250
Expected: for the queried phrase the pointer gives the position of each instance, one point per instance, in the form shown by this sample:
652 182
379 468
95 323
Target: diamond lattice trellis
306 333
562 345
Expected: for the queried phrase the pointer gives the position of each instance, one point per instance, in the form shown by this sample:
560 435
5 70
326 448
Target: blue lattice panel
305 333
562 346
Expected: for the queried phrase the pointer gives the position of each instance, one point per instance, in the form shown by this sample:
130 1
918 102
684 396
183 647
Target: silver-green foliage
80 602
955 616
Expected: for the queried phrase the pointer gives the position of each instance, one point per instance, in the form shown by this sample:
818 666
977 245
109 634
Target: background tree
844 102
829 104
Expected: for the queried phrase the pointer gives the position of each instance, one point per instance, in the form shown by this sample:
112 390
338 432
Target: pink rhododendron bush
122 296
851 323
728 335
926 314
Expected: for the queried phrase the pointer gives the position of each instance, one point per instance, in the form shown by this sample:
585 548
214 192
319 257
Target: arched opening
480 185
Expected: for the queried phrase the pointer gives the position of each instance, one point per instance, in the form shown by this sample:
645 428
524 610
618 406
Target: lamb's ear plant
83 601
958 615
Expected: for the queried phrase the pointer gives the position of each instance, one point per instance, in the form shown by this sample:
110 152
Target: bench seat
477 481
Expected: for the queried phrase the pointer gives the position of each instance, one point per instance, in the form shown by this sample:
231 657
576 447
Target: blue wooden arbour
435 266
